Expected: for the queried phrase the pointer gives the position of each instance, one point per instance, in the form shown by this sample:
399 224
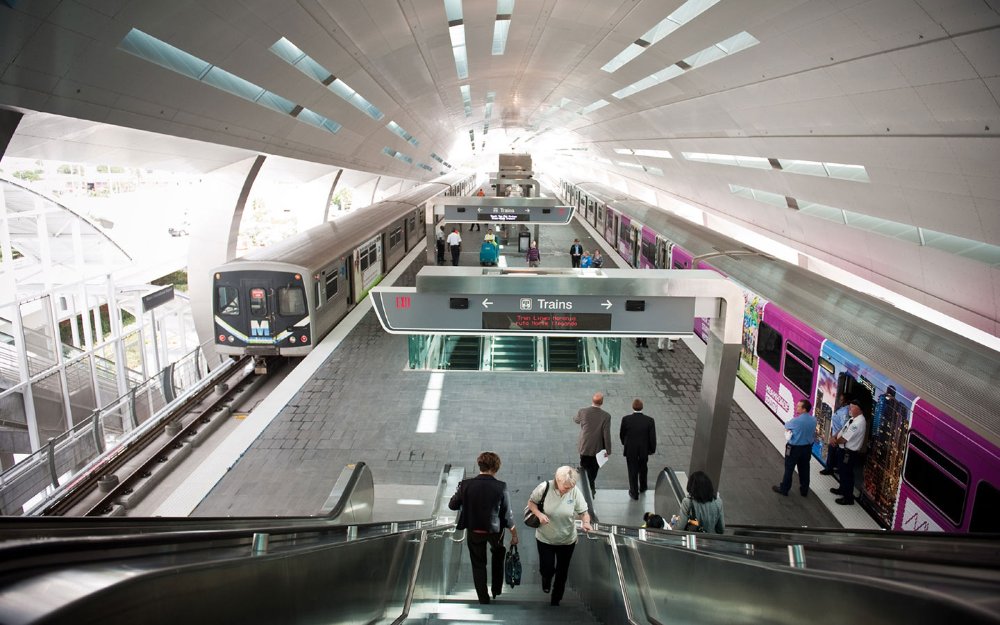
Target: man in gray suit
595 435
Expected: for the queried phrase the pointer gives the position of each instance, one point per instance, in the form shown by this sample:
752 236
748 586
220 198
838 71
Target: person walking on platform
455 243
595 437
850 439
534 257
798 450
575 252
556 535
837 421
638 436
440 245
485 512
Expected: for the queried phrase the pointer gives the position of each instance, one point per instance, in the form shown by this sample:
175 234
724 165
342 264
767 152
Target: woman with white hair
556 534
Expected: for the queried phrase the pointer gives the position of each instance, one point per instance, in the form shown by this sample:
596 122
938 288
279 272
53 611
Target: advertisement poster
752 310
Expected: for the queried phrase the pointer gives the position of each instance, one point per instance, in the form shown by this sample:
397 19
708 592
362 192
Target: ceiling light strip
684 14
840 171
501 28
456 32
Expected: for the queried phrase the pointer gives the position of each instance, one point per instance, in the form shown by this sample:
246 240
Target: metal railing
26 486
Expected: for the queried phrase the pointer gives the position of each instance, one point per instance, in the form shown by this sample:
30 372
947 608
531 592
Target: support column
213 243
329 196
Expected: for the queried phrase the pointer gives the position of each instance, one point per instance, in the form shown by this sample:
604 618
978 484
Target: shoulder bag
529 517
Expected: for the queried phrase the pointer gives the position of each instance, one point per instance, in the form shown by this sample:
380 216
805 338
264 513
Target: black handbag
512 567
529 517
693 523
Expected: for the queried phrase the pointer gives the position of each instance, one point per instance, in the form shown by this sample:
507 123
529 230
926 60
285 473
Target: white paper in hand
602 457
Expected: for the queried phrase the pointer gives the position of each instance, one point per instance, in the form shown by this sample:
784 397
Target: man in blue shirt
835 454
801 435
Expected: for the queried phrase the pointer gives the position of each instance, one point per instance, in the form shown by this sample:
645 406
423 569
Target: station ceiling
760 104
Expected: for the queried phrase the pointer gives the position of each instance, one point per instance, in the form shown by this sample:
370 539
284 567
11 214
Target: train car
931 397
283 299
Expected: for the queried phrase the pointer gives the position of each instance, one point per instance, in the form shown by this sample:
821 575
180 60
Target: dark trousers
475 226
846 473
641 341
554 560
477 554
796 457
576 260
637 474
455 251
833 457
440 251
589 464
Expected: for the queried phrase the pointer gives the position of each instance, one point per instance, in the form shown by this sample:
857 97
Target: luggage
489 253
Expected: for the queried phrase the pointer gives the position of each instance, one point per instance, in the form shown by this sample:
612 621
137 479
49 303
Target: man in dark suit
595 436
485 512
575 252
638 436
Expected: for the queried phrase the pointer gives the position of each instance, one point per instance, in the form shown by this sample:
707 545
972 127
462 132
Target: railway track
138 466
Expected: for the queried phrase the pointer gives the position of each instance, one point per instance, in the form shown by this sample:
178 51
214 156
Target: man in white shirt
850 439
455 243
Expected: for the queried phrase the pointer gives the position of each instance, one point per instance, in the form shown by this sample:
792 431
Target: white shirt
454 239
854 432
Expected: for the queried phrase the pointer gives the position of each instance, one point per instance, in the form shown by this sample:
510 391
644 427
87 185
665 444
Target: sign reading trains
503 210
555 322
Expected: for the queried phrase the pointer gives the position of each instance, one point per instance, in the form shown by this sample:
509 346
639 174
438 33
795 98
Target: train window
291 301
935 476
331 285
649 251
395 237
228 300
372 256
412 223
258 303
769 346
984 517
364 261
798 367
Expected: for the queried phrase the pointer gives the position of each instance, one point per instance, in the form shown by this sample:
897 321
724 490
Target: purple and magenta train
932 396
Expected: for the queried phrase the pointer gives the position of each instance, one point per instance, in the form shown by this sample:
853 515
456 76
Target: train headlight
231 338
222 338
304 338
292 339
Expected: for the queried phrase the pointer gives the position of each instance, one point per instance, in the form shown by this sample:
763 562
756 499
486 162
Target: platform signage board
404 310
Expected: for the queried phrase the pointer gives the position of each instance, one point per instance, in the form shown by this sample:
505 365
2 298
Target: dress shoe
634 496
826 472
546 585
778 490
844 501
804 493
835 491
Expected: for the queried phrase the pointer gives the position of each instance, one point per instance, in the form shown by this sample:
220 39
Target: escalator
513 353
564 353
344 569
462 353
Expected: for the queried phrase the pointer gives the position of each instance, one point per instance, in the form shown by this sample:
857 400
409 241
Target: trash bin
523 241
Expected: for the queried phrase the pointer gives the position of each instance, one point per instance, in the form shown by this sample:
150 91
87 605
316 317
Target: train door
614 230
662 259
368 266
599 217
635 235
260 309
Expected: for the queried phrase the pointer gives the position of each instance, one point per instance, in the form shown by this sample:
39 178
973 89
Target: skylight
856 173
652 153
397 129
291 54
467 99
490 96
736 43
155 51
425 166
437 158
959 246
456 31
684 14
590 108
649 170
397 155
505 10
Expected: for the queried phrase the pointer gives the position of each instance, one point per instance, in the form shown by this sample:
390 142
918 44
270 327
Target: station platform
362 404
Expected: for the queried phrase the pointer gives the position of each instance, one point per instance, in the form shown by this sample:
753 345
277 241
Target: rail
26 486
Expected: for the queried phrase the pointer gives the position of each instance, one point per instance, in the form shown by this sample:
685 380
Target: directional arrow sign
486 303
607 304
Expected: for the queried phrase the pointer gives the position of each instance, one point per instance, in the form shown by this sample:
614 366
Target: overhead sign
539 210
404 310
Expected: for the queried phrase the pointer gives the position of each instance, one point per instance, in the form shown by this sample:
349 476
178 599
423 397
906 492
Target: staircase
513 353
564 354
462 353
523 605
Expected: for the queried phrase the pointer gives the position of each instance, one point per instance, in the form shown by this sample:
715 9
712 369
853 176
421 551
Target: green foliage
29 175
178 278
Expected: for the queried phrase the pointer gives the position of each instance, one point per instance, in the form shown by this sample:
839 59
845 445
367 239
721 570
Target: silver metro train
283 299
